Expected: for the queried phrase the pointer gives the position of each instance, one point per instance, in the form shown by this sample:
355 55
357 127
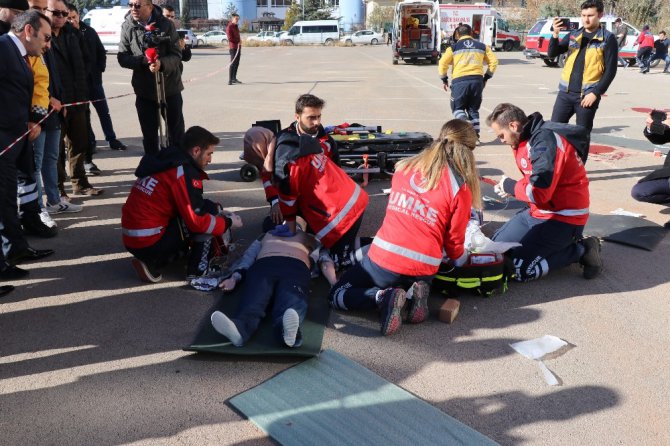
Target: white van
107 23
308 32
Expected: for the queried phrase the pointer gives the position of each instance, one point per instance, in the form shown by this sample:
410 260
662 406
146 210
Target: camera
153 37
564 24
657 127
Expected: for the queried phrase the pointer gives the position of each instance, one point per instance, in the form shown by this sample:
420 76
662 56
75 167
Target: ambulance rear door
488 32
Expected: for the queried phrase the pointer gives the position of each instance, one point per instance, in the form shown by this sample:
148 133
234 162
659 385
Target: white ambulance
416 31
107 23
488 25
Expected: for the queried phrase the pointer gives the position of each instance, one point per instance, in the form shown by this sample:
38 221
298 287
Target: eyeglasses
135 5
57 13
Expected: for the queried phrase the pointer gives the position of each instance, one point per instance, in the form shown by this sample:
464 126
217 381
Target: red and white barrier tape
72 104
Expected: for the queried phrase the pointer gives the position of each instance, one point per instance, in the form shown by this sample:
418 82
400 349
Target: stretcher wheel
249 173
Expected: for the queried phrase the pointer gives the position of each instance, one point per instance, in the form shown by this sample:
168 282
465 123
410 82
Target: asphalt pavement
90 355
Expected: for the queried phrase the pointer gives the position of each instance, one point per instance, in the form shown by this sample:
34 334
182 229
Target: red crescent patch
196 183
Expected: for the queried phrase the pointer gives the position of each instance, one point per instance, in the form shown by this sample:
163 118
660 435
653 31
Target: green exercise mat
265 341
626 230
331 400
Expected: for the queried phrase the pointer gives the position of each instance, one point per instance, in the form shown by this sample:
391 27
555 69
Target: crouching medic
166 213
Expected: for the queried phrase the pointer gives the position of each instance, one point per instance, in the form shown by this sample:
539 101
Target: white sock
291 323
410 292
223 325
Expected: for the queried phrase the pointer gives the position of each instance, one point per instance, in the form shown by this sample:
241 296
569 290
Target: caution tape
73 104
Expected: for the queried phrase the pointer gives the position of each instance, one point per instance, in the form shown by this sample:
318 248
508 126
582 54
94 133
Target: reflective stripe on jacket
468 57
419 224
594 59
554 182
324 195
157 199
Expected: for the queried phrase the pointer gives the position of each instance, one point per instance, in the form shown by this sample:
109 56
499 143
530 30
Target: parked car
365 37
264 36
537 41
189 38
211 37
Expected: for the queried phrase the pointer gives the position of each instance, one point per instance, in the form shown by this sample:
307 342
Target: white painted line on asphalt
55 378
78 261
91 223
58 300
19 357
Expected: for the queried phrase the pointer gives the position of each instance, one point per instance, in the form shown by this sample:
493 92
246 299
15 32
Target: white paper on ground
386 191
620 211
536 349
548 375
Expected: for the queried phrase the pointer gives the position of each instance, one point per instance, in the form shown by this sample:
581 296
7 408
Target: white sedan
212 37
264 36
365 37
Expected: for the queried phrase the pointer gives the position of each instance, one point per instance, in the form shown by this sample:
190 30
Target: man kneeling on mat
655 187
551 158
275 266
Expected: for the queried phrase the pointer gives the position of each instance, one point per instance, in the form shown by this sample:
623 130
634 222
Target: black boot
33 225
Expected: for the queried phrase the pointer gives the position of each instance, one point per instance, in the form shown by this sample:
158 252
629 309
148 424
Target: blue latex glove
282 231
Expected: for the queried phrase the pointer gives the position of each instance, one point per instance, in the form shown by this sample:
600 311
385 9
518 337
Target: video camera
153 37
657 127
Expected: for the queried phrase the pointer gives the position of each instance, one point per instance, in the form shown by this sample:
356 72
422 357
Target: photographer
135 39
655 187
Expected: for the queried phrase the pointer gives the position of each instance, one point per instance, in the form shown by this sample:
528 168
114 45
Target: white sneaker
46 219
63 207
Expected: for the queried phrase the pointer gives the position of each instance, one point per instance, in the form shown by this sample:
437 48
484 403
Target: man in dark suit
30 35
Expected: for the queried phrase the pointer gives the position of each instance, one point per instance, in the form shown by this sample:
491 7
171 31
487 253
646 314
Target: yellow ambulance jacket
468 57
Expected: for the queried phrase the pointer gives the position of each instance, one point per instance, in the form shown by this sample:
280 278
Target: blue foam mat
331 400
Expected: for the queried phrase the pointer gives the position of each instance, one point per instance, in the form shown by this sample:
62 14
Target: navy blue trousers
654 191
281 280
96 91
568 104
466 99
358 286
546 245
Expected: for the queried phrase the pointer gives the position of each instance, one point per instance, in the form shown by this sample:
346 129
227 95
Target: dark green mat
265 342
331 400
626 230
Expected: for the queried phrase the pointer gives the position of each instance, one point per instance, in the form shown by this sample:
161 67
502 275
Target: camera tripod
163 131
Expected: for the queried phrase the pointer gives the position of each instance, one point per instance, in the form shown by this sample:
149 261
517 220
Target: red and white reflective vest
420 223
554 182
162 196
324 196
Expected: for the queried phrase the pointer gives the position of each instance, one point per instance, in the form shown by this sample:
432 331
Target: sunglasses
57 13
135 5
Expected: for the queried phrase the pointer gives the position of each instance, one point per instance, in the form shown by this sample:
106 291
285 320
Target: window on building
261 3
280 3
